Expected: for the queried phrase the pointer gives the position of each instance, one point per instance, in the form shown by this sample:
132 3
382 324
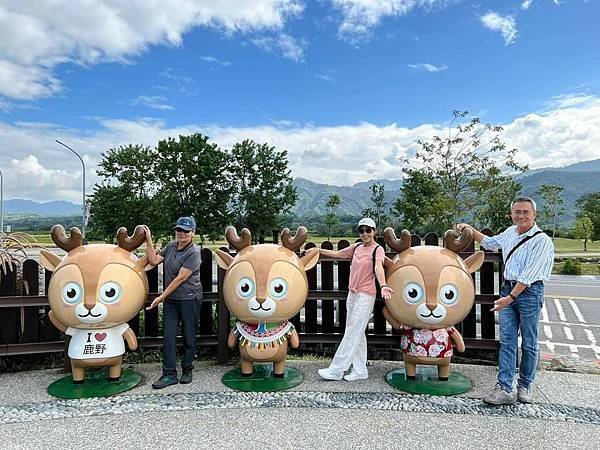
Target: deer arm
232 339
132 342
294 339
459 344
57 323
393 322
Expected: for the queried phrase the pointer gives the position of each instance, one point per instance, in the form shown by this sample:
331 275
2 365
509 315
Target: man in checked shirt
526 266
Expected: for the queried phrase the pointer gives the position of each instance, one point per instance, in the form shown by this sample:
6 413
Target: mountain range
577 179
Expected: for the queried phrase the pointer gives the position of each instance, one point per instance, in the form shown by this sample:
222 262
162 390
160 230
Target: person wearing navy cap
181 294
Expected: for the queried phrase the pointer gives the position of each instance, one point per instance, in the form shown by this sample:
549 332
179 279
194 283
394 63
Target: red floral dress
425 342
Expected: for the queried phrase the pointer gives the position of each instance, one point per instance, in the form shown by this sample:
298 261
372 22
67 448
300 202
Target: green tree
584 229
422 206
331 218
495 194
378 211
460 161
124 195
263 186
195 181
590 205
553 204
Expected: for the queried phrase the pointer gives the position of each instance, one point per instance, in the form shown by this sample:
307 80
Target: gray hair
521 199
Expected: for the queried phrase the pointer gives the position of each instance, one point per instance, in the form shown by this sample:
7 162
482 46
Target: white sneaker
352 376
328 374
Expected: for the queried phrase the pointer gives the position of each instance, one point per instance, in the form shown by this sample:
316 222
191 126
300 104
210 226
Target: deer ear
49 260
310 258
224 259
475 261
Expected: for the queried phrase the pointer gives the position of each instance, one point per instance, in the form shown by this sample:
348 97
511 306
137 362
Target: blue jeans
522 315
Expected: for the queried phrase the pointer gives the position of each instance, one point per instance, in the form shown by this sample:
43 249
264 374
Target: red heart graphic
100 336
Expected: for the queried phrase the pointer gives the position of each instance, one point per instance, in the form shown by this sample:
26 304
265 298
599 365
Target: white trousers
353 348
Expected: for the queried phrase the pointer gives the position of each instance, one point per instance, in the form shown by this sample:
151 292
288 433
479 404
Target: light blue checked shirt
531 262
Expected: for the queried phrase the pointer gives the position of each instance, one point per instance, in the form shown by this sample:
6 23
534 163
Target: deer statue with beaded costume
433 291
265 285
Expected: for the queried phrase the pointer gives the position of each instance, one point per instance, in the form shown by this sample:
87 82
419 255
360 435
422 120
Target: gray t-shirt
189 258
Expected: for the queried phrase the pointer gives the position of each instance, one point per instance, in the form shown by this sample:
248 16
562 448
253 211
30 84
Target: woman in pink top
359 304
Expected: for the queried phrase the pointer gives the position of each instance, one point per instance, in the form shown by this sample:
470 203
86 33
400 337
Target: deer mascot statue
265 285
94 290
433 290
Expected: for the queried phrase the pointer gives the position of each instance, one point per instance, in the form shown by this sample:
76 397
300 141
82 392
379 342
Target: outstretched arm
132 342
294 339
232 339
459 344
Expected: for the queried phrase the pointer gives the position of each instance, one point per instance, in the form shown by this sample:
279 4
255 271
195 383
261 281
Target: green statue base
262 379
96 384
426 382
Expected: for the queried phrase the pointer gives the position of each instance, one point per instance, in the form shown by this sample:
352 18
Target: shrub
570 267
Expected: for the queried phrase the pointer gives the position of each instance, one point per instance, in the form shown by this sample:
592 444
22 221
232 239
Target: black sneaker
186 376
164 381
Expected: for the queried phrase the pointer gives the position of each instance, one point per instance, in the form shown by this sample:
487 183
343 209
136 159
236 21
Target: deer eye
110 292
448 294
278 288
72 293
245 287
413 293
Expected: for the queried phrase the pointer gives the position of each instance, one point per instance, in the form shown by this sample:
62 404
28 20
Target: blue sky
330 80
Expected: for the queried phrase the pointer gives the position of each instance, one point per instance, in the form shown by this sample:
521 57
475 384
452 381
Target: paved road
570 322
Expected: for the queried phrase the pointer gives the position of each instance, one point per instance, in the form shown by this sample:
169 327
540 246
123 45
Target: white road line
576 311
550 346
568 333
574 324
548 331
592 340
573 349
595 348
544 313
561 313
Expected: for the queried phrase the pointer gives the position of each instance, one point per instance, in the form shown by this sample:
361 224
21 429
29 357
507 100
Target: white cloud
428 67
216 61
288 46
359 17
526 4
506 25
152 101
39 35
346 154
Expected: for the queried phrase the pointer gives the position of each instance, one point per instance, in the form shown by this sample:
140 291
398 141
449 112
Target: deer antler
458 242
66 243
398 245
133 242
296 242
238 242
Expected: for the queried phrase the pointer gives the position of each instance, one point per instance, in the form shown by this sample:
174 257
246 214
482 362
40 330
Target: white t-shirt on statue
95 344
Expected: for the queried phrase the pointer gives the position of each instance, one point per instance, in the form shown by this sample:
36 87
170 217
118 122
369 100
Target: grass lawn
562 245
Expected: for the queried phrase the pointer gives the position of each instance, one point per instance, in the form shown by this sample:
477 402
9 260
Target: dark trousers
174 311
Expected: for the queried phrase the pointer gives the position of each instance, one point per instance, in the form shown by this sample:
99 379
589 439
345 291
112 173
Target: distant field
562 245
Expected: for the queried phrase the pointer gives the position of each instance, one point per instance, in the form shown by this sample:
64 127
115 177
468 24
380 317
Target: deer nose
89 303
261 300
431 307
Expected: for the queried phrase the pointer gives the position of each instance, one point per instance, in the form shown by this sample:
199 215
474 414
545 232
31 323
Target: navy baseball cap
187 223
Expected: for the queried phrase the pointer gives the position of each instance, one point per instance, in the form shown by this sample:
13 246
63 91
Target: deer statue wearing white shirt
94 290
433 290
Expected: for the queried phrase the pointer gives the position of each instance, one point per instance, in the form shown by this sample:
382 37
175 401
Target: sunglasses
181 230
363 230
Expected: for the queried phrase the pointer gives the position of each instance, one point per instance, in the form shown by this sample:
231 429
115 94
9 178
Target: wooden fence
26 329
